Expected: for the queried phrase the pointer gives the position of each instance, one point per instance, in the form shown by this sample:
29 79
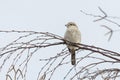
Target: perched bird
72 34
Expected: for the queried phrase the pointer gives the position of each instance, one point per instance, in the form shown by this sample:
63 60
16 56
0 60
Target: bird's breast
73 35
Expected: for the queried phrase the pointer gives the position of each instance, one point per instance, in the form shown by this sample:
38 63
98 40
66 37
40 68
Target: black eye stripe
71 24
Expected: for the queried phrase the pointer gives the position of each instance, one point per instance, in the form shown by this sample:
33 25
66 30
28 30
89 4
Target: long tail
73 60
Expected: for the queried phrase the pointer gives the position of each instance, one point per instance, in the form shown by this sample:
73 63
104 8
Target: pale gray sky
52 15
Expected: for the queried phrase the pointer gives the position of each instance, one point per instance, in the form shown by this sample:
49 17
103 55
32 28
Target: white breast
73 35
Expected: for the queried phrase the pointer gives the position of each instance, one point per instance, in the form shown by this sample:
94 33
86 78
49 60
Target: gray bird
72 34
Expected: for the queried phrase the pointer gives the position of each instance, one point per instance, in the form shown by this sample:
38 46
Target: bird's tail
73 60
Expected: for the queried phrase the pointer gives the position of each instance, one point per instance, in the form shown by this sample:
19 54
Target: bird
73 35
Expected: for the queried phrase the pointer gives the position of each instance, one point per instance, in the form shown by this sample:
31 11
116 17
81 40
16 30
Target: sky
52 15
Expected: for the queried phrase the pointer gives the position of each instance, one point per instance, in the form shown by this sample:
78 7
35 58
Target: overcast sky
52 15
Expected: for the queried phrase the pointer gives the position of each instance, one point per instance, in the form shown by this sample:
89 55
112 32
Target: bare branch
101 18
109 32
106 18
23 48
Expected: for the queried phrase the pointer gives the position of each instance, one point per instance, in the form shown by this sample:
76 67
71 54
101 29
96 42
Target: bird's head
70 25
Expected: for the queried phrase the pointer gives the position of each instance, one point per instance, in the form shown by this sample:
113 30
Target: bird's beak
66 25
